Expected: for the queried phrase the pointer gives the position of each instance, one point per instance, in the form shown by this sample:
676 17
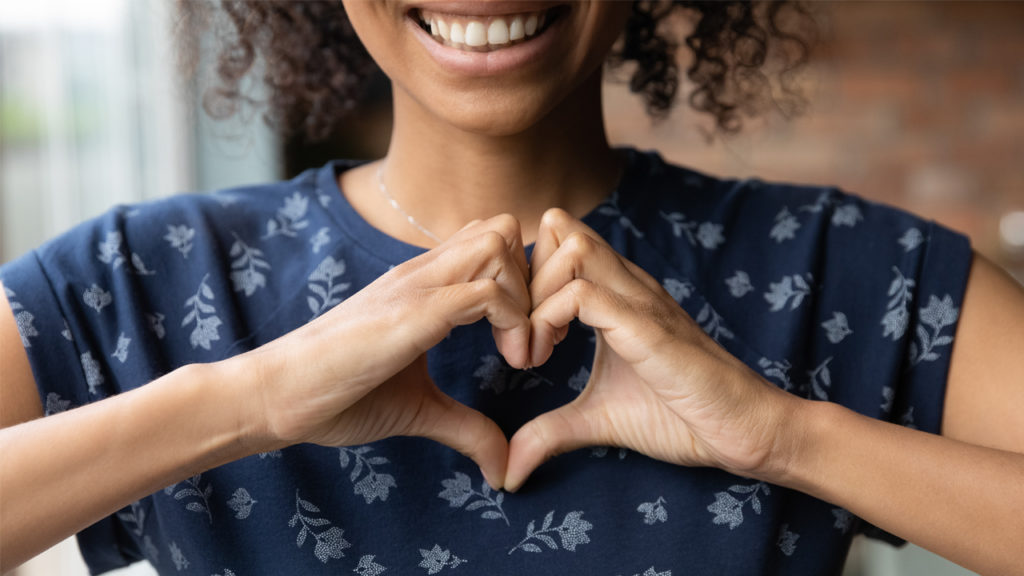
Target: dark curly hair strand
315 67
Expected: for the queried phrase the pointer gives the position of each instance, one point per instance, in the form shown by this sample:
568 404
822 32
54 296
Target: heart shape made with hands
646 345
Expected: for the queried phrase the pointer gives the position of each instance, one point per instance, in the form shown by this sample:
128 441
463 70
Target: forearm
60 474
959 500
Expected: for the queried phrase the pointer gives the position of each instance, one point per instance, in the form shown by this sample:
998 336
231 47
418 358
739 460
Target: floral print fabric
824 294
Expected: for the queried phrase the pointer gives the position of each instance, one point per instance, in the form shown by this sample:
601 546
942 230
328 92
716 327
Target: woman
434 295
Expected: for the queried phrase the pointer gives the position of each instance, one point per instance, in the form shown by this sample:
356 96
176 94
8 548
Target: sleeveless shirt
826 295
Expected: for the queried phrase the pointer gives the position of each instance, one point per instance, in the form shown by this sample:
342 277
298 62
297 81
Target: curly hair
314 65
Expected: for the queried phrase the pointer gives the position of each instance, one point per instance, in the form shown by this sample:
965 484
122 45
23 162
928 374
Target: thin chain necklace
398 207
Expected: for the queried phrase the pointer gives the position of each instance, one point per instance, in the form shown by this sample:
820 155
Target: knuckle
493 244
579 245
486 289
506 225
582 289
555 218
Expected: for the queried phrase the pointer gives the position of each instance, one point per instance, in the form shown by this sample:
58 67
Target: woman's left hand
658 384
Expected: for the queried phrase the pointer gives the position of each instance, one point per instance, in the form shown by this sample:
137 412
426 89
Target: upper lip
483 9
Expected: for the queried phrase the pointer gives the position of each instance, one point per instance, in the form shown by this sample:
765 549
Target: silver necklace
398 207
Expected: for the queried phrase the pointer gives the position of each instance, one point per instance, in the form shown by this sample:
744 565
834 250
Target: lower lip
488 63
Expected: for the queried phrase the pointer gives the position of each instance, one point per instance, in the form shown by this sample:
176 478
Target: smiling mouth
486 34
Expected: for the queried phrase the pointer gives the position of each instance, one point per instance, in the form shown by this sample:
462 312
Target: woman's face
487 67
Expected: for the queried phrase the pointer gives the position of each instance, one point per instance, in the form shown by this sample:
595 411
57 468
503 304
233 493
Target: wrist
803 427
240 382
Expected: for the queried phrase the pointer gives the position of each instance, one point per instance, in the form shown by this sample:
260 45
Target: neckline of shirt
393 251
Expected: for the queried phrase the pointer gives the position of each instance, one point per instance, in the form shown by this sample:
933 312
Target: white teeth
494 32
497 32
515 30
476 34
531 25
458 37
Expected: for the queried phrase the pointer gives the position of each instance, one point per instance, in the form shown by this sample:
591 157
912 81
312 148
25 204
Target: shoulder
689 214
811 280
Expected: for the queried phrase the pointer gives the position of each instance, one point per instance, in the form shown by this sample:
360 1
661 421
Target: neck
445 177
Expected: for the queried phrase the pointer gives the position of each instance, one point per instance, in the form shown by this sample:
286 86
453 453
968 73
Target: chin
495 115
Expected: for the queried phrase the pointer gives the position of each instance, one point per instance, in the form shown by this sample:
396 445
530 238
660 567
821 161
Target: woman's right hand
359 372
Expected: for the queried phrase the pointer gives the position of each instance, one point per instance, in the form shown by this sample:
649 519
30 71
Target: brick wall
918 104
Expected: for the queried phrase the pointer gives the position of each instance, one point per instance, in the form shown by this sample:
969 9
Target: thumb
443 419
561 430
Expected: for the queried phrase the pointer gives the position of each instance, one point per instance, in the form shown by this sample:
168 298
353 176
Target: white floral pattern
459 491
787 540
843 519
204 315
610 207
897 315
368 567
55 404
938 315
290 218
729 510
739 284
93 373
652 572
247 267
111 252
323 283
704 234
496 375
679 289
911 239
437 559
121 349
789 290
156 324
578 381
97 298
330 542
713 324
241 503
653 512
320 239
374 485
837 328
180 238
177 557
196 496
786 225
572 532
23 318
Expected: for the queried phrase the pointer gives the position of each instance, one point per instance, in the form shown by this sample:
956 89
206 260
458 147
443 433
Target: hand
359 372
658 385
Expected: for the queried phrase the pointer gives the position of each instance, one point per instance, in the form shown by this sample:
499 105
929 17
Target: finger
633 335
581 256
558 226
483 255
548 435
445 420
555 225
508 227
467 303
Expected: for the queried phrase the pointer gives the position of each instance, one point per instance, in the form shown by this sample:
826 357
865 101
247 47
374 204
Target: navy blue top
826 295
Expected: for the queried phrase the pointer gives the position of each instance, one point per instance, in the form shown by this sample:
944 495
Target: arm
960 496
60 474
661 387
116 451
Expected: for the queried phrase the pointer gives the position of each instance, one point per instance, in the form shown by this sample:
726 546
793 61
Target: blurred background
916 104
